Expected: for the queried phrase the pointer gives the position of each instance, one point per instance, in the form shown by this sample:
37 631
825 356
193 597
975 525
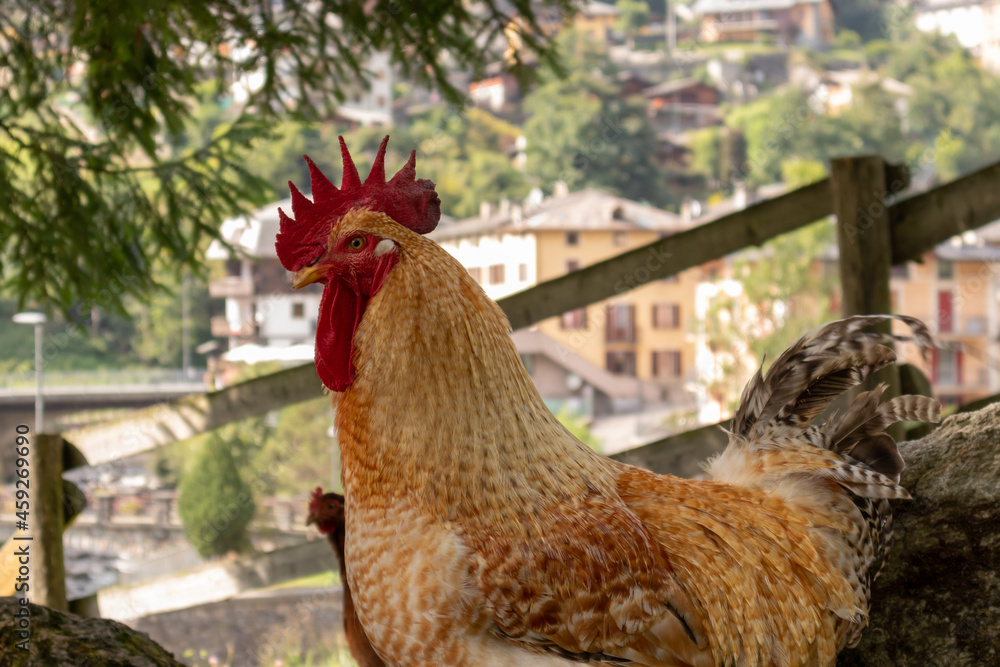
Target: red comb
315 498
410 201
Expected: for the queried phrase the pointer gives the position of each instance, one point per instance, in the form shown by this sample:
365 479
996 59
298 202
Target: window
667 364
572 238
619 238
621 362
575 319
947 368
572 265
522 272
945 270
476 273
975 326
945 313
234 267
496 274
900 271
298 310
621 324
666 316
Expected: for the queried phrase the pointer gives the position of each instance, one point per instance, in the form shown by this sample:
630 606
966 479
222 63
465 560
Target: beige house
956 290
645 333
596 19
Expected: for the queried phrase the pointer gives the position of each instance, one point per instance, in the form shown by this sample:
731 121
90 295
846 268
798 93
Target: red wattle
340 313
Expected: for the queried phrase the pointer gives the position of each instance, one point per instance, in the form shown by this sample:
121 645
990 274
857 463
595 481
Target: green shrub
215 504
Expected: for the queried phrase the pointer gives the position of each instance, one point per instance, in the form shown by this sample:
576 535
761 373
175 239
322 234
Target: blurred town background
664 119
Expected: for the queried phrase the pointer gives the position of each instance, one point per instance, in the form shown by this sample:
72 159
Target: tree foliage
299 454
580 130
215 503
633 15
90 201
788 287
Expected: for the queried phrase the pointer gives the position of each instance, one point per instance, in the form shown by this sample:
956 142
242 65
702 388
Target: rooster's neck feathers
434 355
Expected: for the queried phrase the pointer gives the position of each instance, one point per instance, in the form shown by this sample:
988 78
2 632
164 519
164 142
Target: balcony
222 329
230 287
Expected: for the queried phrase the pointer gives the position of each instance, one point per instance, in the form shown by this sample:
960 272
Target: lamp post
38 319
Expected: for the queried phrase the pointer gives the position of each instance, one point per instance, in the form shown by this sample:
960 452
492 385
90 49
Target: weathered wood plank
921 222
185 418
669 256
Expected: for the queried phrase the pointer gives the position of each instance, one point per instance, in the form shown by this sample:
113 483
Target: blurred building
261 306
787 22
369 101
956 290
645 333
596 19
974 23
684 104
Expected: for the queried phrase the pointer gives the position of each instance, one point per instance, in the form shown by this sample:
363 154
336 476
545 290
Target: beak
311 519
308 276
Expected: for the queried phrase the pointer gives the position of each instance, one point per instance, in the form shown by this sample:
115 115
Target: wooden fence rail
874 232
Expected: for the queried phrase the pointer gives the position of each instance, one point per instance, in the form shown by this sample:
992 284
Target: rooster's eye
357 243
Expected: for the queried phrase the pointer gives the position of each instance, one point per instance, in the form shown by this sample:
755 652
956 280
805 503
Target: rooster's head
326 510
351 263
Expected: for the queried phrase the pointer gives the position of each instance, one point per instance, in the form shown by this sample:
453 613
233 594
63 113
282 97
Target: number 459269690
21 484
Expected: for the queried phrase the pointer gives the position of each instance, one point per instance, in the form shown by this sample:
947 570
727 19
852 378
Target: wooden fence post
863 233
48 572
861 199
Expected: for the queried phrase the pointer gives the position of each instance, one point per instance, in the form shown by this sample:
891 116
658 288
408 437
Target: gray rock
67 640
937 603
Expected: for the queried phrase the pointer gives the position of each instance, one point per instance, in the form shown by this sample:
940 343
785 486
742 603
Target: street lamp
38 319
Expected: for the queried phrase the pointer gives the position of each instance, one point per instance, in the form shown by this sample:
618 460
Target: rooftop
669 87
702 7
594 8
585 210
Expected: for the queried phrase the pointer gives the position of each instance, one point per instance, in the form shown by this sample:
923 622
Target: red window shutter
958 367
944 311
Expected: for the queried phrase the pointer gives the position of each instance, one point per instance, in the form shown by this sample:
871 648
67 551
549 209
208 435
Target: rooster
326 511
481 532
